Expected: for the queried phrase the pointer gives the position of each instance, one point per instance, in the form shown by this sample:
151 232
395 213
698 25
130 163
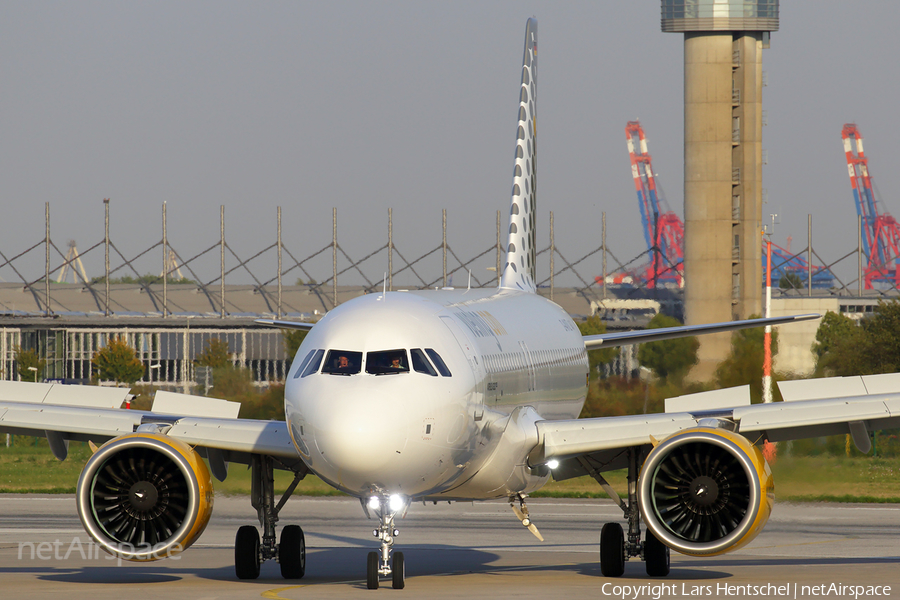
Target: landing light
396 502
552 464
374 503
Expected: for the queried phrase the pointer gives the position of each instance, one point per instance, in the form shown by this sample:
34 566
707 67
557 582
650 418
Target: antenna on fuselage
469 286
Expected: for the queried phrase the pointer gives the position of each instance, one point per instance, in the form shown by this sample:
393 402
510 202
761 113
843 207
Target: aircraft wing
285 324
89 413
607 340
812 408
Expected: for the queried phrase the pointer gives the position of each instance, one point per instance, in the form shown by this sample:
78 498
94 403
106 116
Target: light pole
33 370
767 342
769 449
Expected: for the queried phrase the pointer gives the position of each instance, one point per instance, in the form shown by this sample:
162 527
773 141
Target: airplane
443 395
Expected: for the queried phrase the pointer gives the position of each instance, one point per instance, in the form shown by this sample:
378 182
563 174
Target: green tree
266 405
214 355
594 326
881 348
292 339
117 362
843 348
26 360
233 383
744 364
839 346
618 396
790 281
669 358
236 384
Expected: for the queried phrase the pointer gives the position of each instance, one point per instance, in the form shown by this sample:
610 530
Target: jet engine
705 491
144 496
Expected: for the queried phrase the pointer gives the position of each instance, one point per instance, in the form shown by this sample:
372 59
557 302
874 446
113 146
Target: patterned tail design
519 271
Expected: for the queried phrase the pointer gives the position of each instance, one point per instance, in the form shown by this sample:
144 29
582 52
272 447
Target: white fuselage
513 358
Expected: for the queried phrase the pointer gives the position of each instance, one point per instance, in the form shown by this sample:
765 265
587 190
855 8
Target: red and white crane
663 229
878 229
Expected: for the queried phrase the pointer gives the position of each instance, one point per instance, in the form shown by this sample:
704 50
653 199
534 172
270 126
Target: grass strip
30 468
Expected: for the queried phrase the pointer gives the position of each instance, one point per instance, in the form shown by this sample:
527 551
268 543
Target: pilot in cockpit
397 363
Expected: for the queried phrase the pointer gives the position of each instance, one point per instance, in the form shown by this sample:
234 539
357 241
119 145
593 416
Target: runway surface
461 550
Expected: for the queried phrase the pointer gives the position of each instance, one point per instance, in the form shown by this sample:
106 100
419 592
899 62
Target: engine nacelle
705 491
143 496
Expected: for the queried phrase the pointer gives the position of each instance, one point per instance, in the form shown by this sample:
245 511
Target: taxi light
396 502
374 502
552 464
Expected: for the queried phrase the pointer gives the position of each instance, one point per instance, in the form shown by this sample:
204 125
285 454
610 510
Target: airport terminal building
77 325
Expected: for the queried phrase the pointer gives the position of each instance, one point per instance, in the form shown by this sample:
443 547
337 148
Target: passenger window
342 362
387 362
438 362
304 363
313 365
420 363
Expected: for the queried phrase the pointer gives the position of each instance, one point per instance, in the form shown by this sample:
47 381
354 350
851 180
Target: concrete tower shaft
723 42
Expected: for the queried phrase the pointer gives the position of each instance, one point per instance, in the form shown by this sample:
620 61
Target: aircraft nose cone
364 438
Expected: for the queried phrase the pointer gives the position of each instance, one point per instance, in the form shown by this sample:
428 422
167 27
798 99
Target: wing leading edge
606 340
285 324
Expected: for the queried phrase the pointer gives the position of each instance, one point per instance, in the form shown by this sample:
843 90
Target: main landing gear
382 564
615 549
249 552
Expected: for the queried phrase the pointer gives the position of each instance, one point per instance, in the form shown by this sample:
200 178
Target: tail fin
519 270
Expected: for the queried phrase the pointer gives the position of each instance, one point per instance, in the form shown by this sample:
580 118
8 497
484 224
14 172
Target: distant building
76 327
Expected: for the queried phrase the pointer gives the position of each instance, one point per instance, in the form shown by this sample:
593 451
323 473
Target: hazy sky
410 105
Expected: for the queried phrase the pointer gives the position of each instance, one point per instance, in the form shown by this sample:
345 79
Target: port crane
663 230
878 229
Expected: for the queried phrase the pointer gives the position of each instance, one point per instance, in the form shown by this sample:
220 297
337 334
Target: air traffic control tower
723 81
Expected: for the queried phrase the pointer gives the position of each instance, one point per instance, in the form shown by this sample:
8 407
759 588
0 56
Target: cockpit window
313 365
304 363
420 363
387 362
342 362
438 362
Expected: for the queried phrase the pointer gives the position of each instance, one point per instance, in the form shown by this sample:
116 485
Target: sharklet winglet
519 268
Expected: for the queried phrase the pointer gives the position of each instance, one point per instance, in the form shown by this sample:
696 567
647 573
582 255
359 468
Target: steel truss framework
167 351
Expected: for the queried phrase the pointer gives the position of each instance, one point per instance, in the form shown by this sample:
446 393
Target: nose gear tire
372 561
398 571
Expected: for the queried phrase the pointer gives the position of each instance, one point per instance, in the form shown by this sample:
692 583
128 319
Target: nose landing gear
382 564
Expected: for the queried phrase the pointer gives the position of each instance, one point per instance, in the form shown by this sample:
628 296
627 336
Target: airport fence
595 273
